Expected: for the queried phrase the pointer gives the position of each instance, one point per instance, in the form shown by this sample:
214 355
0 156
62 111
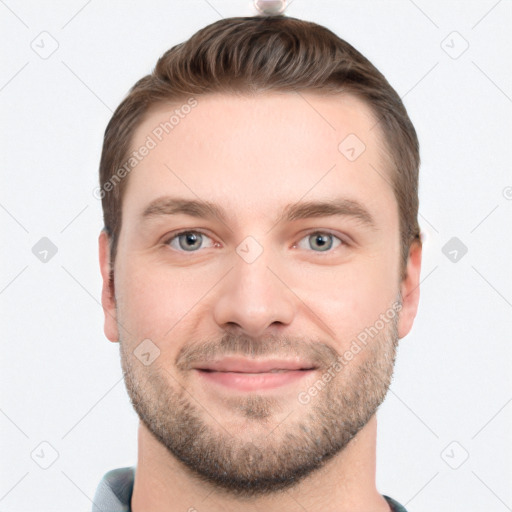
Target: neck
345 483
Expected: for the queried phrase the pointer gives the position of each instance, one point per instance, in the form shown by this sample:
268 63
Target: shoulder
115 489
395 506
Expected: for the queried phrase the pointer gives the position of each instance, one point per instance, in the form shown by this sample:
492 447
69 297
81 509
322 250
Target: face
292 266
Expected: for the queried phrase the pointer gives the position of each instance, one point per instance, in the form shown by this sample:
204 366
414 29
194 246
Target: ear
410 289
108 300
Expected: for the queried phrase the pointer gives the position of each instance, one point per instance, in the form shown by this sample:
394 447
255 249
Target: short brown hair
258 54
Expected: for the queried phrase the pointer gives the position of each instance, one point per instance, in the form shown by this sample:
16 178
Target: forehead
254 153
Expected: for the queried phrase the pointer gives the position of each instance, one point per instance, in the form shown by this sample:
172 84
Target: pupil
191 238
321 241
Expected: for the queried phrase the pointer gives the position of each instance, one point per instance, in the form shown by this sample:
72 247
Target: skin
253 156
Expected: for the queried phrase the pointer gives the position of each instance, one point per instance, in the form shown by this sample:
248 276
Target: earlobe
410 289
108 300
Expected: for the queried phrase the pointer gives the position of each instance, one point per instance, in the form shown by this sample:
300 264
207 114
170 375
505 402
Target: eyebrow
344 207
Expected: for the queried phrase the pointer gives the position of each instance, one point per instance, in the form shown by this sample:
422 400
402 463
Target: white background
61 380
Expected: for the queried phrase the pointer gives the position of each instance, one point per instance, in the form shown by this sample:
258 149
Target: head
271 134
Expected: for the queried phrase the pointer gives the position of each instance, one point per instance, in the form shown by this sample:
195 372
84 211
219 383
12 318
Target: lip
244 365
244 381
242 374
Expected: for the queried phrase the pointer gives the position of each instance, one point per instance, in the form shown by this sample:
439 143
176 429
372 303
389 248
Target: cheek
154 300
142 301
350 299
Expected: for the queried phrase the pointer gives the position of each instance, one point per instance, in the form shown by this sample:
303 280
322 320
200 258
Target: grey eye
322 241
188 241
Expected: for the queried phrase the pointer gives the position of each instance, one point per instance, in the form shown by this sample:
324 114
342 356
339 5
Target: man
255 359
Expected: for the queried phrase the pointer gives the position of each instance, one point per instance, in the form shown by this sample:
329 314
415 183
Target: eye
322 240
193 240
188 241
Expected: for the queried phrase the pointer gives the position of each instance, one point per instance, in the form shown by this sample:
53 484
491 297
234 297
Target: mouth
243 365
251 375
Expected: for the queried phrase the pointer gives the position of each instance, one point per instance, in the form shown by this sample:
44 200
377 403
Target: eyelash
322 232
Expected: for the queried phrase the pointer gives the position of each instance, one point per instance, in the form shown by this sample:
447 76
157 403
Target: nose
253 299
